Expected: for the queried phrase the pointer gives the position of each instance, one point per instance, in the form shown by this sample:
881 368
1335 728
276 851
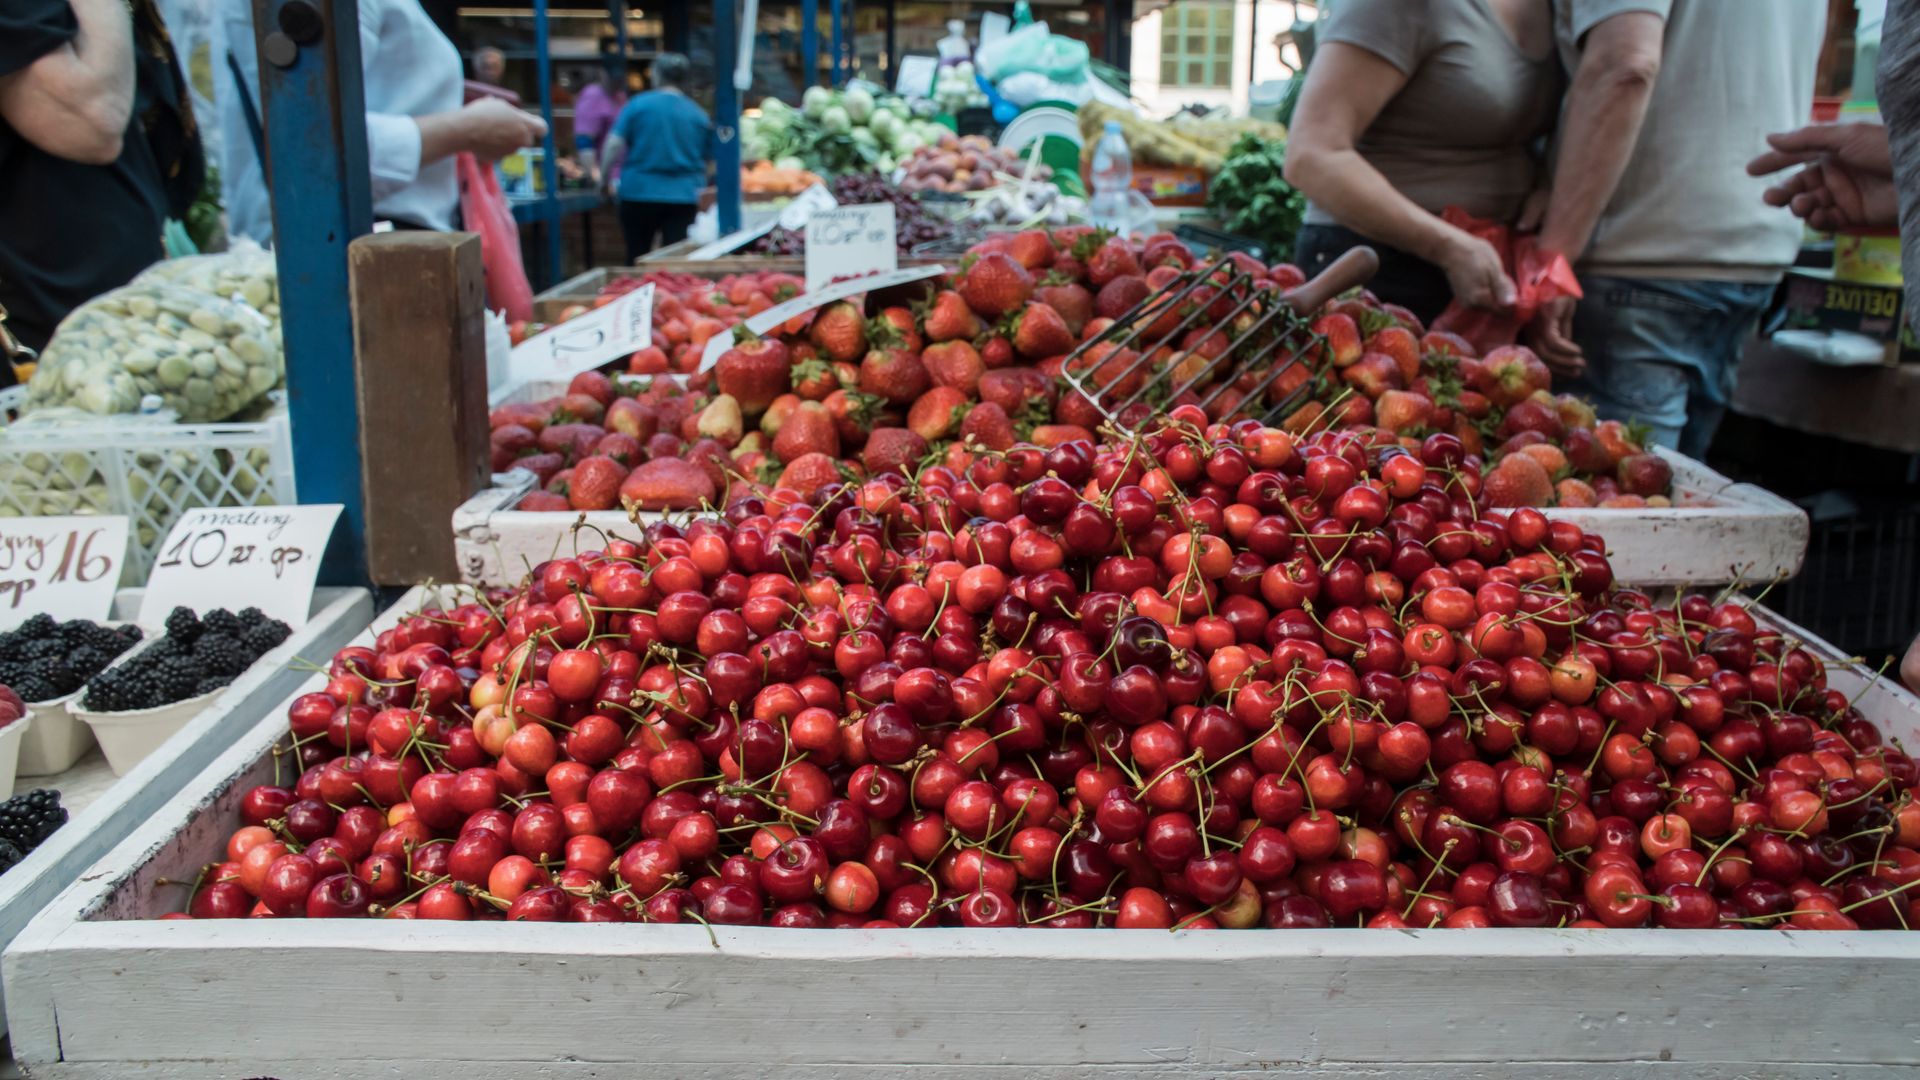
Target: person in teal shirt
663 142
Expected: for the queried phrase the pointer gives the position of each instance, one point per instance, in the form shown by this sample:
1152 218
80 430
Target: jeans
640 221
1665 352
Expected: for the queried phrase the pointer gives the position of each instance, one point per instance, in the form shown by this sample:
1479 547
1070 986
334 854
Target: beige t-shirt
1730 72
1458 133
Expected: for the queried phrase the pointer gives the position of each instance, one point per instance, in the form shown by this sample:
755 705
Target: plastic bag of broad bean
246 273
204 356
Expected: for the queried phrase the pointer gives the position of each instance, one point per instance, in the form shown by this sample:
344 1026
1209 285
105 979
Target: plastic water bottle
1111 206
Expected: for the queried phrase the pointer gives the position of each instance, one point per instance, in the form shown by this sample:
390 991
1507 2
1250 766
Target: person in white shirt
415 120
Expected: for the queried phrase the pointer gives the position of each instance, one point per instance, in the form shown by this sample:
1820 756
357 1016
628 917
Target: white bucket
10 752
128 737
56 741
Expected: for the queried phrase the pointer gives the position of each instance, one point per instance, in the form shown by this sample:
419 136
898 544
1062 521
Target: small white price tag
792 216
850 241
916 76
601 336
236 557
66 567
764 322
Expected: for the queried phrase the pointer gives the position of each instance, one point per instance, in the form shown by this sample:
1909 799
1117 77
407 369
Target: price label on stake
850 241
765 322
66 567
600 336
235 557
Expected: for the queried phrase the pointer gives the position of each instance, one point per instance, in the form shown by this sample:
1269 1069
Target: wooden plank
420 360
90 996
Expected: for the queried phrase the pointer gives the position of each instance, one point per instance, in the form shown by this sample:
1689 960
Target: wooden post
420 365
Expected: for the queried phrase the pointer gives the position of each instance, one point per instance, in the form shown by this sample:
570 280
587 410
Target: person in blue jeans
663 143
1676 250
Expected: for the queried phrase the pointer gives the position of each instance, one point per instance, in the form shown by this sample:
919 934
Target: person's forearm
1605 109
1342 183
442 135
75 101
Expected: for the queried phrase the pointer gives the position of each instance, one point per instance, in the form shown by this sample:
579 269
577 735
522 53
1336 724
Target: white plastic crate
95 988
147 468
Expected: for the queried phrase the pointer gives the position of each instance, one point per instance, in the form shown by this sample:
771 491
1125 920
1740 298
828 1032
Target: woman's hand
493 129
1475 271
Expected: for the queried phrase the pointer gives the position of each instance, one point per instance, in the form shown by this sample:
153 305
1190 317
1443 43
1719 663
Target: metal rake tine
1232 347
1146 356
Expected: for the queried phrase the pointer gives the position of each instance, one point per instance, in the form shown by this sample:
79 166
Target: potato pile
963 163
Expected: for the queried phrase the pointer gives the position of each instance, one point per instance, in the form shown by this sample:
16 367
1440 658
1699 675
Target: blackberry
176 678
26 820
211 683
252 617
265 637
183 625
128 635
10 856
32 688
221 654
43 649
222 621
39 626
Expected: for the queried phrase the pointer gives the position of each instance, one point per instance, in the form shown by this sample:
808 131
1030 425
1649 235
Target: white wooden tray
1716 532
109 816
91 994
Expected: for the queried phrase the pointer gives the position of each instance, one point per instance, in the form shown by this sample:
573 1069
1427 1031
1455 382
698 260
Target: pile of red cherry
1208 677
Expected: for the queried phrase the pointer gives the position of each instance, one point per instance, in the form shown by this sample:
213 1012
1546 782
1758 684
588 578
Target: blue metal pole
549 164
834 67
726 116
809 42
314 110
619 9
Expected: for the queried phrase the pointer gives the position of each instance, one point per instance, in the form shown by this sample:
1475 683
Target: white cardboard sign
236 557
765 321
791 216
66 567
850 241
601 336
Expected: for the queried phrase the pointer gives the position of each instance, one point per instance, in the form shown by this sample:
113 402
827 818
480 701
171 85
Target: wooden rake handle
1354 267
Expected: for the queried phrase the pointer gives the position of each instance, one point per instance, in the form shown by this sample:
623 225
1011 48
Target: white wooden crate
91 994
337 615
1716 532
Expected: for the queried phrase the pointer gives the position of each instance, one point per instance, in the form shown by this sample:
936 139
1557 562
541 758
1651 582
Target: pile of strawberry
604 446
1379 369
1212 677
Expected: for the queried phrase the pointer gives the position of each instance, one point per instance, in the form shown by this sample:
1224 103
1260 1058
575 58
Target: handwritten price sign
600 336
258 556
848 241
66 567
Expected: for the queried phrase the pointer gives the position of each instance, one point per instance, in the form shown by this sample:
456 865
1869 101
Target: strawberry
1585 453
667 484
1077 409
1032 249
1515 373
665 444
720 420
1343 345
593 384
1574 492
1164 249
854 414
1400 411
1574 411
995 284
558 483
1040 331
777 413
896 375
584 408
894 326
809 430
893 449
1011 388
1121 295
996 351
1406 318
651 360
1286 275
1518 481
938 413
1073 302
543 501
954 364
1055 434
1550 457
755 371
1399 343
950 319
1440 341
1111 260
840 333
621 447
987 425
1375 374
1645 474
1531 415
1613 435
813 379
810 473
595 484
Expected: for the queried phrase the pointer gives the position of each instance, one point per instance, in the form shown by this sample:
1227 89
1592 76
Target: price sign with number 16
66 567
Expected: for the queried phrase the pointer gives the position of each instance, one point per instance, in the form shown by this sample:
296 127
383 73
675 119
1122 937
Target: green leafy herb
1253 198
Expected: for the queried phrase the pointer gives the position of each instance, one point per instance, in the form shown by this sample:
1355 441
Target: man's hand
1551 336
1847 182
1475 271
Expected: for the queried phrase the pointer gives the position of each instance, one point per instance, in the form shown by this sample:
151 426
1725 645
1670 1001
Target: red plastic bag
1537 279
487 213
